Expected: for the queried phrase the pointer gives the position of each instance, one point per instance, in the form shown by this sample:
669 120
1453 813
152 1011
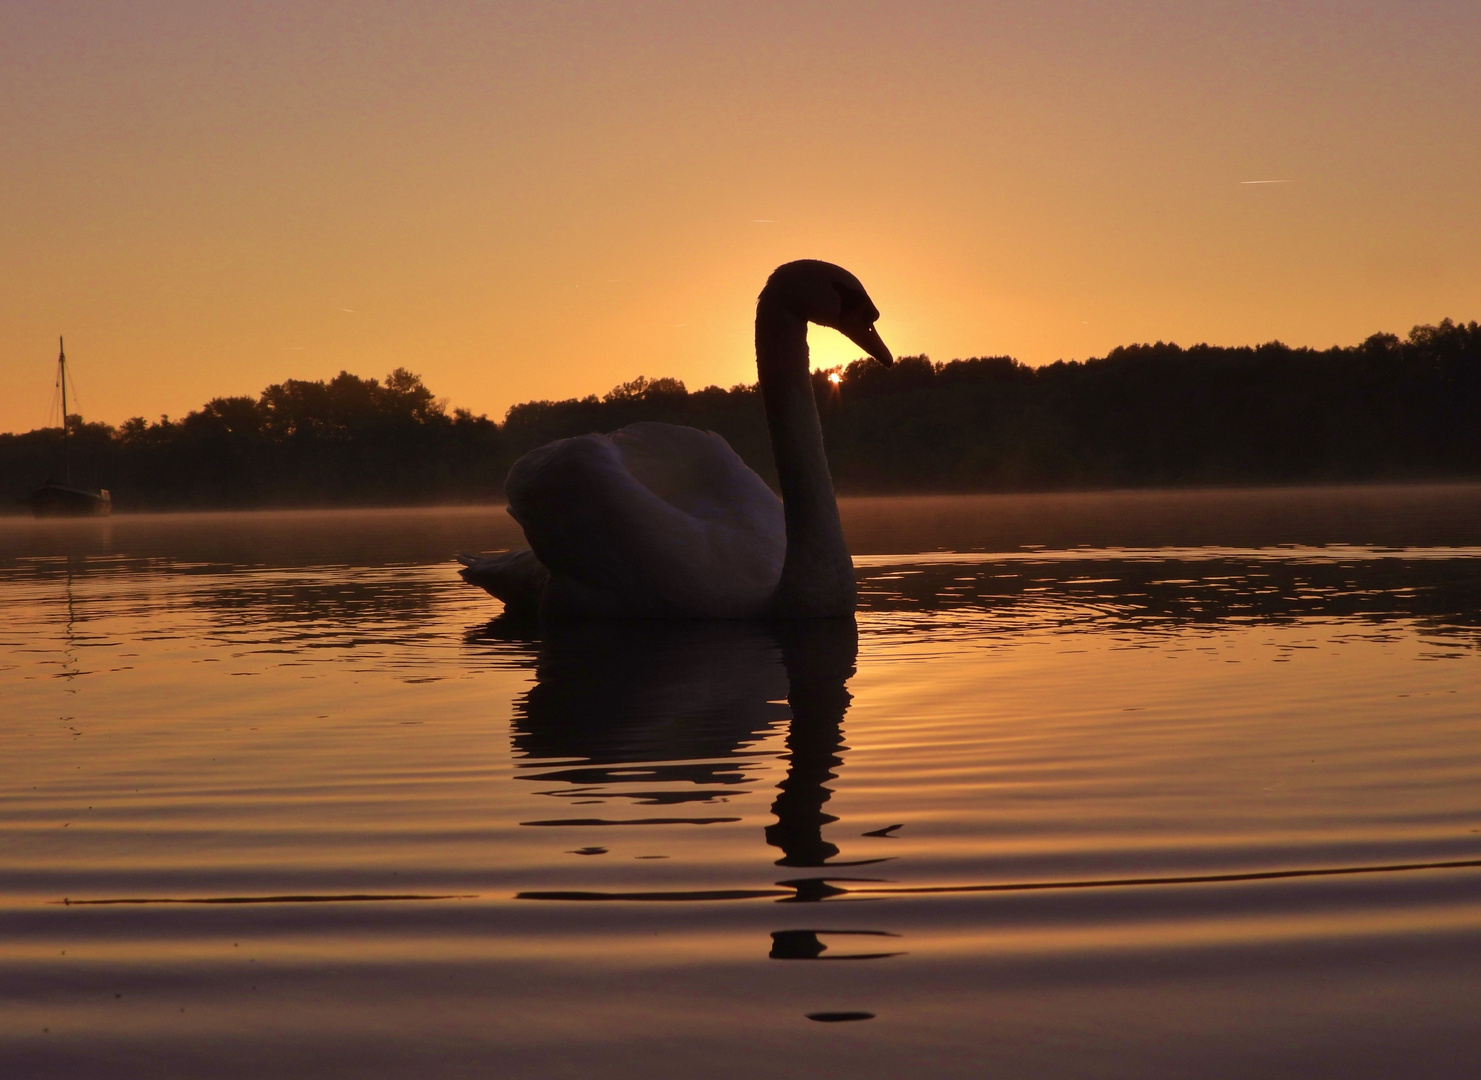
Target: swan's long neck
818 575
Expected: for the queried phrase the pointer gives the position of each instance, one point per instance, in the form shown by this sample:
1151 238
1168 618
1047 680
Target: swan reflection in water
645 702
655 702
627 705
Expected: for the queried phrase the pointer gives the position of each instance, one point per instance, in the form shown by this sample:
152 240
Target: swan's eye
851 300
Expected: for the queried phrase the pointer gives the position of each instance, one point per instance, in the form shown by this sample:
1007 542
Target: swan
664 521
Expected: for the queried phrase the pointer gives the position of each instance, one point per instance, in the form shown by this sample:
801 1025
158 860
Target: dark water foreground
1100 786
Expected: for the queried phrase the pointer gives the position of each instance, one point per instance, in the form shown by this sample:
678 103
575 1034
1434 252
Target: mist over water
1118 784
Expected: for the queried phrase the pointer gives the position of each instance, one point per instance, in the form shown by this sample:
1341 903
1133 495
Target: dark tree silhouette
1144 415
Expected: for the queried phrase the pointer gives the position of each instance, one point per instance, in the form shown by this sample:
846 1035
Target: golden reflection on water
1033 789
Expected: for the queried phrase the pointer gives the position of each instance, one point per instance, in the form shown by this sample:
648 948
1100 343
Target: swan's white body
661 521
654 520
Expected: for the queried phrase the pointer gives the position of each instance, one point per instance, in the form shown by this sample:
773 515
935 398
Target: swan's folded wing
655 519
698 473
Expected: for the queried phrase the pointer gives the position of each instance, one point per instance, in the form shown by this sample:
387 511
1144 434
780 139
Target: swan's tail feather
515 577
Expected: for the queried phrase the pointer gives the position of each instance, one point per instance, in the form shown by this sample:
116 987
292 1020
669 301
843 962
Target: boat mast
62 375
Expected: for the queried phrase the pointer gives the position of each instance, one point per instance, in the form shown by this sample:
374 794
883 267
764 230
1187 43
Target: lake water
1115 785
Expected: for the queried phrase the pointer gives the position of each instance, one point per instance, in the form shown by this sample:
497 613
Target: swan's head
828 295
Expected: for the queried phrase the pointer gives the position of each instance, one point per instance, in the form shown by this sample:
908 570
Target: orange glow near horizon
520 201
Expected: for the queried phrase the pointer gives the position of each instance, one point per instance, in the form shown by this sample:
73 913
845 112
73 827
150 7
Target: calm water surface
1099 786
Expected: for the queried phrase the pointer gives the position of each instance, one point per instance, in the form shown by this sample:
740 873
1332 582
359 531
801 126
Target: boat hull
58 500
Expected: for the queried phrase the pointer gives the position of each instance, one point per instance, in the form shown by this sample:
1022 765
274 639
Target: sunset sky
541 200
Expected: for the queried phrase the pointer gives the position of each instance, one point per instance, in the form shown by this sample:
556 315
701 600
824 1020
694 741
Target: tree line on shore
1141 416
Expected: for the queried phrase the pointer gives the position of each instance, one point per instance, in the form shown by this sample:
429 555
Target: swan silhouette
664 521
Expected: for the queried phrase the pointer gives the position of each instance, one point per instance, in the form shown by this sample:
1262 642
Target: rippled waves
284 797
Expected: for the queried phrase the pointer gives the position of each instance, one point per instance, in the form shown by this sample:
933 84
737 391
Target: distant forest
1142 416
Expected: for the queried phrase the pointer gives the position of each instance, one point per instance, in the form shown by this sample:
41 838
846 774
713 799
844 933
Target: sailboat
52 499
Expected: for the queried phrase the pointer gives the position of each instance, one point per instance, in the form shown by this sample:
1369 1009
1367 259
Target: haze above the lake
532 201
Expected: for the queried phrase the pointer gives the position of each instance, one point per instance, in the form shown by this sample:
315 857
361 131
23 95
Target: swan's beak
868 339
